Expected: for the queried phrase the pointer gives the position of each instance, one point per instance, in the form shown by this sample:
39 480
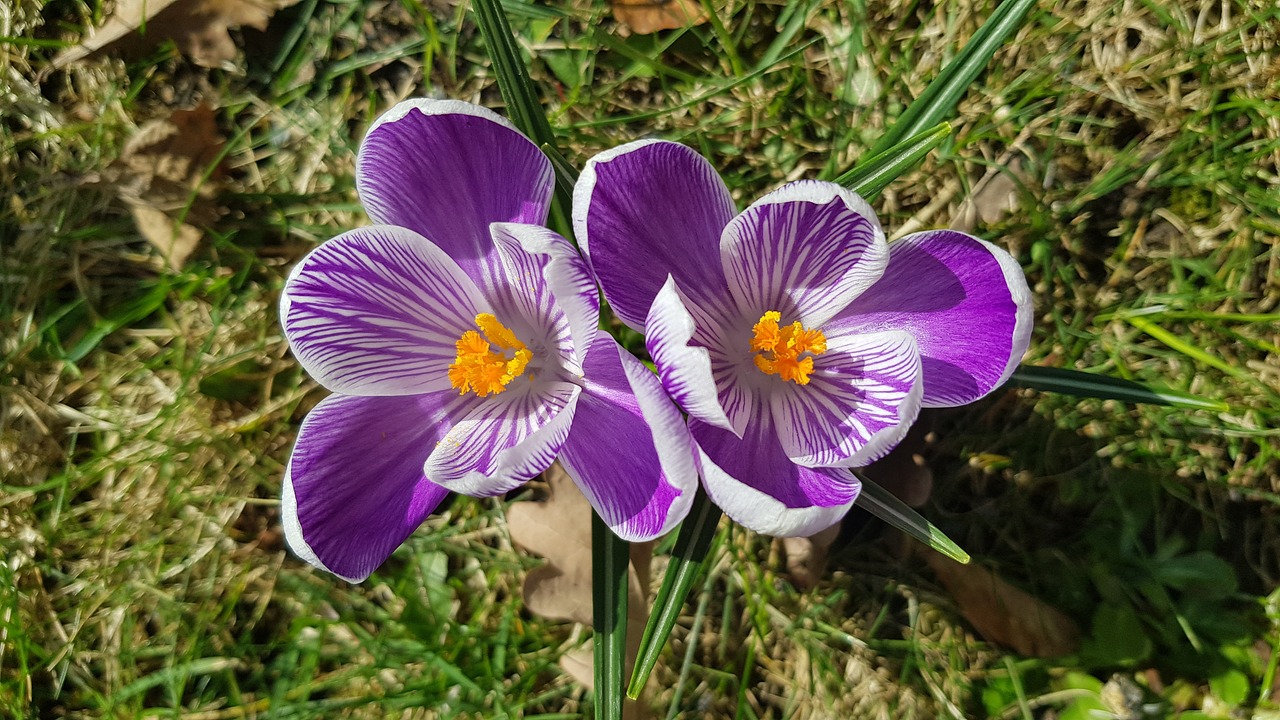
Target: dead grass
145 415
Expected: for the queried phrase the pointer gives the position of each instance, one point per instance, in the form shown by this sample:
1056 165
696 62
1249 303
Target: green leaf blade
871 176
939 99
1103 387
886 506
610 563
693 546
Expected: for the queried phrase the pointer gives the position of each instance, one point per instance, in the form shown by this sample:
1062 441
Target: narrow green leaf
1186 348
886 506
873 175
566 174
1093 385
939 100
693 546
609 563
520 95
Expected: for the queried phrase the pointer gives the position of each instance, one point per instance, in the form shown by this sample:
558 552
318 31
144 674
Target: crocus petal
757 485
805 250
505 439
648 209
684 368
548 283
378 311
629 450
861 399
354 488
447 169
965 300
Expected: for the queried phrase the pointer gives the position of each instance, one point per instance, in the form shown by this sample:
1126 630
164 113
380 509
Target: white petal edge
758 511
293 528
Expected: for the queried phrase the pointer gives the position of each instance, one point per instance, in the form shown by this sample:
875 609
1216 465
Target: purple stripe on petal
377 311
646 210
685 369
860 401
966 302
447 169
754 482
629 450
548 283
805 250
354 489
506 438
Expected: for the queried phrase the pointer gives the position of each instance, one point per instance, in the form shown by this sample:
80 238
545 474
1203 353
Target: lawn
155 193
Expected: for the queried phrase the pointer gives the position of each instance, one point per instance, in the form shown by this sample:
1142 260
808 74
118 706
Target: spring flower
799 342
459 338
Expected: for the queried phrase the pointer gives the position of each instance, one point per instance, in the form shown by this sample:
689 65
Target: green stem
610 558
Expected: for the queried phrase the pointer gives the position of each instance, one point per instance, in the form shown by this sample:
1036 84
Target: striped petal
757 485
354 488
629 450
546 283
377 311
506 438
965 300
805 250
860 401
684 365
446 170
646 210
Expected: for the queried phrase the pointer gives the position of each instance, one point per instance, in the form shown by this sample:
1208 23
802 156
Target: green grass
146 414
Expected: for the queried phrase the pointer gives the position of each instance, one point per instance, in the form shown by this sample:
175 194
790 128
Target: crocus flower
799 342
459 338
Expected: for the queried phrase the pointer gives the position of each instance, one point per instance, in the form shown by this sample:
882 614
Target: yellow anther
481 370
497 333
780 348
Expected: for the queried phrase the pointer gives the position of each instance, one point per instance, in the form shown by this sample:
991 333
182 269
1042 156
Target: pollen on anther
479 369
780 348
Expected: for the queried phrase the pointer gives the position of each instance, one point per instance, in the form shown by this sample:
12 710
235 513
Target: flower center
481 370
779 348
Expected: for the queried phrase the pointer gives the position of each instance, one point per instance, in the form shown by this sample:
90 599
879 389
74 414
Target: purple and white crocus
459 338
800 343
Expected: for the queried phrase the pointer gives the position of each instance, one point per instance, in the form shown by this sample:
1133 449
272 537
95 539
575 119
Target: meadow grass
146 414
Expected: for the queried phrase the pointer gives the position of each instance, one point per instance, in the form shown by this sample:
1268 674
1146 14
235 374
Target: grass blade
873 175
1093 385
886 506
520 95
610 558
939 100
693 545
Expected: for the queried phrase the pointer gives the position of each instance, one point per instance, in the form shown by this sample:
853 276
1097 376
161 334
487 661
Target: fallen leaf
807 556
559 529
644 17
994 197
198 27
167 176
1004 614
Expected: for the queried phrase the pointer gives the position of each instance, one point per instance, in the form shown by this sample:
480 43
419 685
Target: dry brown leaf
167 176
1004 614
807 556
643 17
198 27
994 197
559 529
